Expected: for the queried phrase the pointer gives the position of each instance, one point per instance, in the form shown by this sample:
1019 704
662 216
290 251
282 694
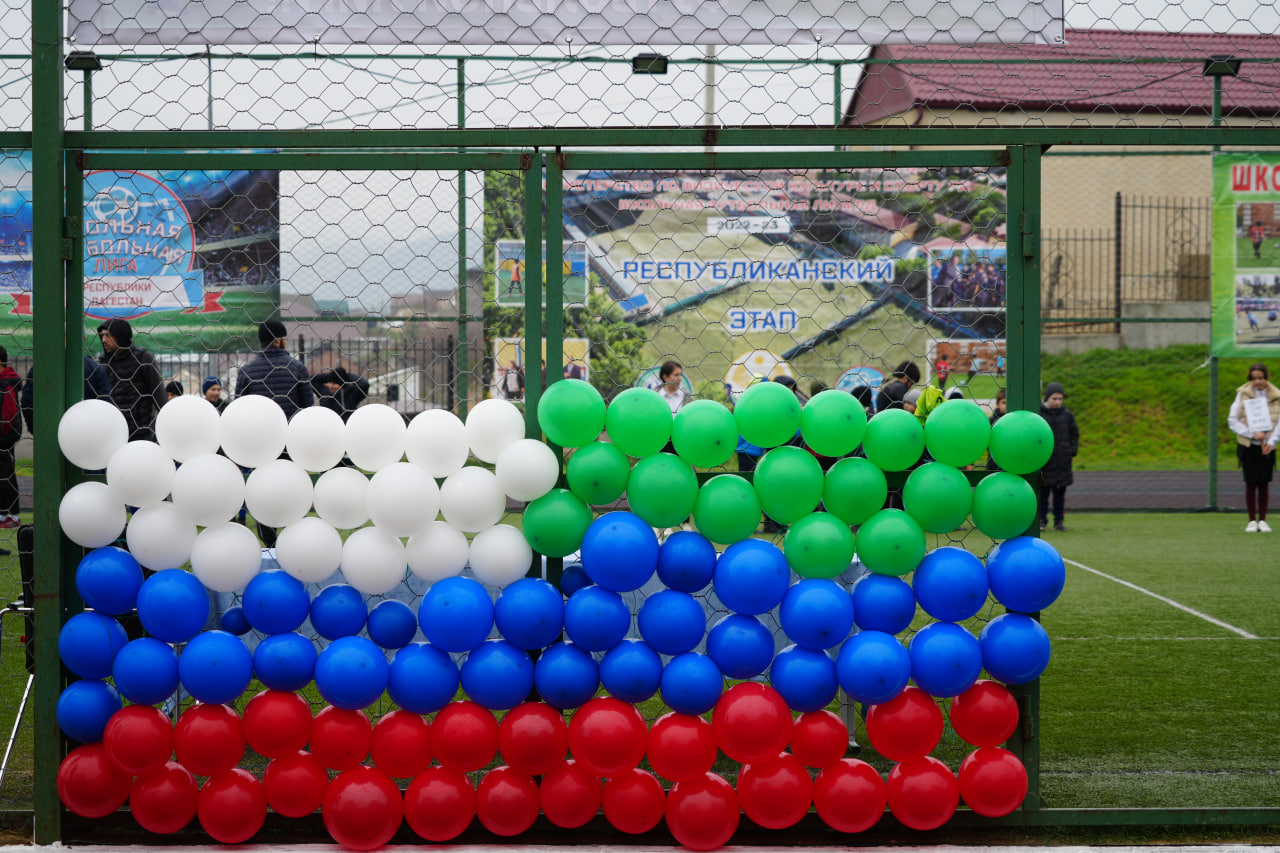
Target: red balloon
608 736
634 801
439 804
993 781
570 795
507 801
533 738
849 795
295 784
89 784
819 739
907 726
402 744
232 806
277 723
775 792
465 736
985 715
362 808
164 800
751 721
139 739
923 793
340 738
681 746
208 739
703 813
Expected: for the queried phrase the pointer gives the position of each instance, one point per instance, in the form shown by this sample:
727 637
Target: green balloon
555 523
1021 442
727 509
894 440
855 490
1004 505
662 489
956 433
819 546
891 543
938 496
598 472
639 422
789 482
767 414
705 434
571 413
833 423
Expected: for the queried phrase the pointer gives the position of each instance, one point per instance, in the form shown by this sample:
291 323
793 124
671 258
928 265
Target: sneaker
8 523
1251 527
1060 527
1044 525
1263 527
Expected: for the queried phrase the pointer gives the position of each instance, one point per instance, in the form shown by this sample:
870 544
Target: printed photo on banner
971 369
968 278
512 373
512 273
1246 255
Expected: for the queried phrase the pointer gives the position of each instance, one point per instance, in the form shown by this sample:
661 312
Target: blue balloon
596 619
146 671
873 667
686 561
816 613
573 578
285 661
215 667
108 580
84 709
691 683
945 659
233 621
1015 648
672 622
566 676
173 605
530 613
740 645
392 624
631 671
351 673
276 602
620 551
456 614
752 576
883 603
89 643
338 610
950 584
423 678
497 675
806 678
1026 574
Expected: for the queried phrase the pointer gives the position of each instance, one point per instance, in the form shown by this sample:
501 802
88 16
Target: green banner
1246 255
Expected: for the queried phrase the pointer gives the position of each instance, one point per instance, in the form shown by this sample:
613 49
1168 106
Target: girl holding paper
1255 419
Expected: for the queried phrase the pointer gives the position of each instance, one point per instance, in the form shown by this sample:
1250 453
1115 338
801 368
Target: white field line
1169 601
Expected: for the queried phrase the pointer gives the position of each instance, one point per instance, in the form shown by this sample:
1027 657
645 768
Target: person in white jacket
1255 419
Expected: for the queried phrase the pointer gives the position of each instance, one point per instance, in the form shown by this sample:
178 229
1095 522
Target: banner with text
1246 255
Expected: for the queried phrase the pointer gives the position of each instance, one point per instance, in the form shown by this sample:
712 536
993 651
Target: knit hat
208 383
271 331
912 396
1054 388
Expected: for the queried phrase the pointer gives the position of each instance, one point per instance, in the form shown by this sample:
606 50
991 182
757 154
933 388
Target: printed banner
510 274
1246 255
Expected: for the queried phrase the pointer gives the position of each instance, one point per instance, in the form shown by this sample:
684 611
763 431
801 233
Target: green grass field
1270 251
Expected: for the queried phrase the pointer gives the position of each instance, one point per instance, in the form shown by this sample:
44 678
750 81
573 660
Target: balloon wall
746 640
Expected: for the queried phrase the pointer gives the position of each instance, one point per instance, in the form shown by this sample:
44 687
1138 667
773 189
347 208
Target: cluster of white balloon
185 489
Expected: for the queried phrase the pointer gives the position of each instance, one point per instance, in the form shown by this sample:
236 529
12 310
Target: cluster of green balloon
891 542
638 422
1021 442
704 434
727 509
957 432
855 489
597 473
662 489
768 414
571 413
1004 504
938 496
789 483
820 545
894 440
833 423
555 523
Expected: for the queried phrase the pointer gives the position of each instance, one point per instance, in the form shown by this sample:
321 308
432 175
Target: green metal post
555 302
208 57
1213 359
531 165
463 338
837 107
88 99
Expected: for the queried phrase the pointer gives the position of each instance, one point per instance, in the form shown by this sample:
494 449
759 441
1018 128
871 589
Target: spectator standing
1255 419
997 413
10 432
340 390
670 374
211 388
274 373
96 387
136 386
1056 474
905 375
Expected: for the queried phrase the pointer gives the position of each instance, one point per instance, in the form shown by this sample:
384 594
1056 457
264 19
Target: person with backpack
10 432
136 386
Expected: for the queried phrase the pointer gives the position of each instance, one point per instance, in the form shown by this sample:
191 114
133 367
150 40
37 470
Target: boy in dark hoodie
136 386
1056 474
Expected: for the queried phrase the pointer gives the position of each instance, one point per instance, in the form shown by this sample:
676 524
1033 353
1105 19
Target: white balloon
160 537
439 551
500 555
278 493
91 515
140 474
252 430
491 426
90 432
527 469
437 440
309 549
316 438
226 557
472 500
209 489
403 499
339 498
187 426
373 561
375 436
